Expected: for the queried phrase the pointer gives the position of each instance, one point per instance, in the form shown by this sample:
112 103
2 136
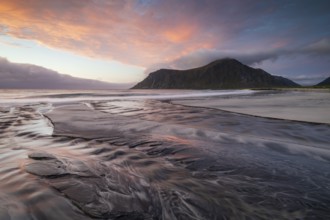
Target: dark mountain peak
163 70
227 73
226 60
325 82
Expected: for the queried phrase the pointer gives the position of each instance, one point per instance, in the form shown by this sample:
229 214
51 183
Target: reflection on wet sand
148 159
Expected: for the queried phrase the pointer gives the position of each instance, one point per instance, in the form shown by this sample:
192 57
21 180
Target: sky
120 41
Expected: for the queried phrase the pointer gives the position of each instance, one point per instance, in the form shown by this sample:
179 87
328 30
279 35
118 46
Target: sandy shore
158 159
305 105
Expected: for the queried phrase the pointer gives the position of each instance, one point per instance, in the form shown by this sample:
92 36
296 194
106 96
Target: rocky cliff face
325 83
220 74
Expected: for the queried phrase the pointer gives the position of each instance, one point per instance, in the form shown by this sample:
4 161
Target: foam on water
9 100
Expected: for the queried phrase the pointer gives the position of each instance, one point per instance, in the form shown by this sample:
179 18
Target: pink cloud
146 33
104 29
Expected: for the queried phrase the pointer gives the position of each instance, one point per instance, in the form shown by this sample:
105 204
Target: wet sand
159 159
309 106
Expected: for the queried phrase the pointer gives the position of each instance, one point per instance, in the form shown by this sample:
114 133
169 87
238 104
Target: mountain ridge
29 76
325 82
227 73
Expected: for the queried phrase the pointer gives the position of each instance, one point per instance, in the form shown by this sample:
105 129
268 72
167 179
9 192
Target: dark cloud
319 48
304 72
258 31
26 76
203 57
146 32
176 34
198 58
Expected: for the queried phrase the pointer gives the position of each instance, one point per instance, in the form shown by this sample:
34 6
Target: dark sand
151 159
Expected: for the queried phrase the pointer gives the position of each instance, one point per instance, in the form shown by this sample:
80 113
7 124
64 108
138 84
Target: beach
298 105
152 154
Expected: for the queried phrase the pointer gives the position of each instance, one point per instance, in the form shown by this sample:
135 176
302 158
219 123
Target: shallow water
126 158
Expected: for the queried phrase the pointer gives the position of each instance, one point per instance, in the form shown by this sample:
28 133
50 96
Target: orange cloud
115 30
145 32
179 34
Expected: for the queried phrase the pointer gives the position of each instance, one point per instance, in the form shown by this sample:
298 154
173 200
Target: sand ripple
156 160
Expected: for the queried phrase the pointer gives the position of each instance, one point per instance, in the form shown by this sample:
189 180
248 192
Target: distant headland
225 73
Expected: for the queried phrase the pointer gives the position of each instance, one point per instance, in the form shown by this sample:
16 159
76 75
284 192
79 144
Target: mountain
221 74
325 83
27 76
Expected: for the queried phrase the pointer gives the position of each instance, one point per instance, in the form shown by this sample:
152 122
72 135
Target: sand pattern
148 159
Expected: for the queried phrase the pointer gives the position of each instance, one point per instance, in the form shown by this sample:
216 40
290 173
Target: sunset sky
120 41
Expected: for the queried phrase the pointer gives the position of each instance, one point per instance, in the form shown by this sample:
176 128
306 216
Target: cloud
181 34
321 47
205 56
26 76
118 30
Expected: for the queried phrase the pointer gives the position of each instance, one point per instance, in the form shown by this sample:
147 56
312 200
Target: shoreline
147 158
304 106
257 116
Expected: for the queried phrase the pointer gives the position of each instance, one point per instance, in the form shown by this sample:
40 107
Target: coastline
298 105
146 158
